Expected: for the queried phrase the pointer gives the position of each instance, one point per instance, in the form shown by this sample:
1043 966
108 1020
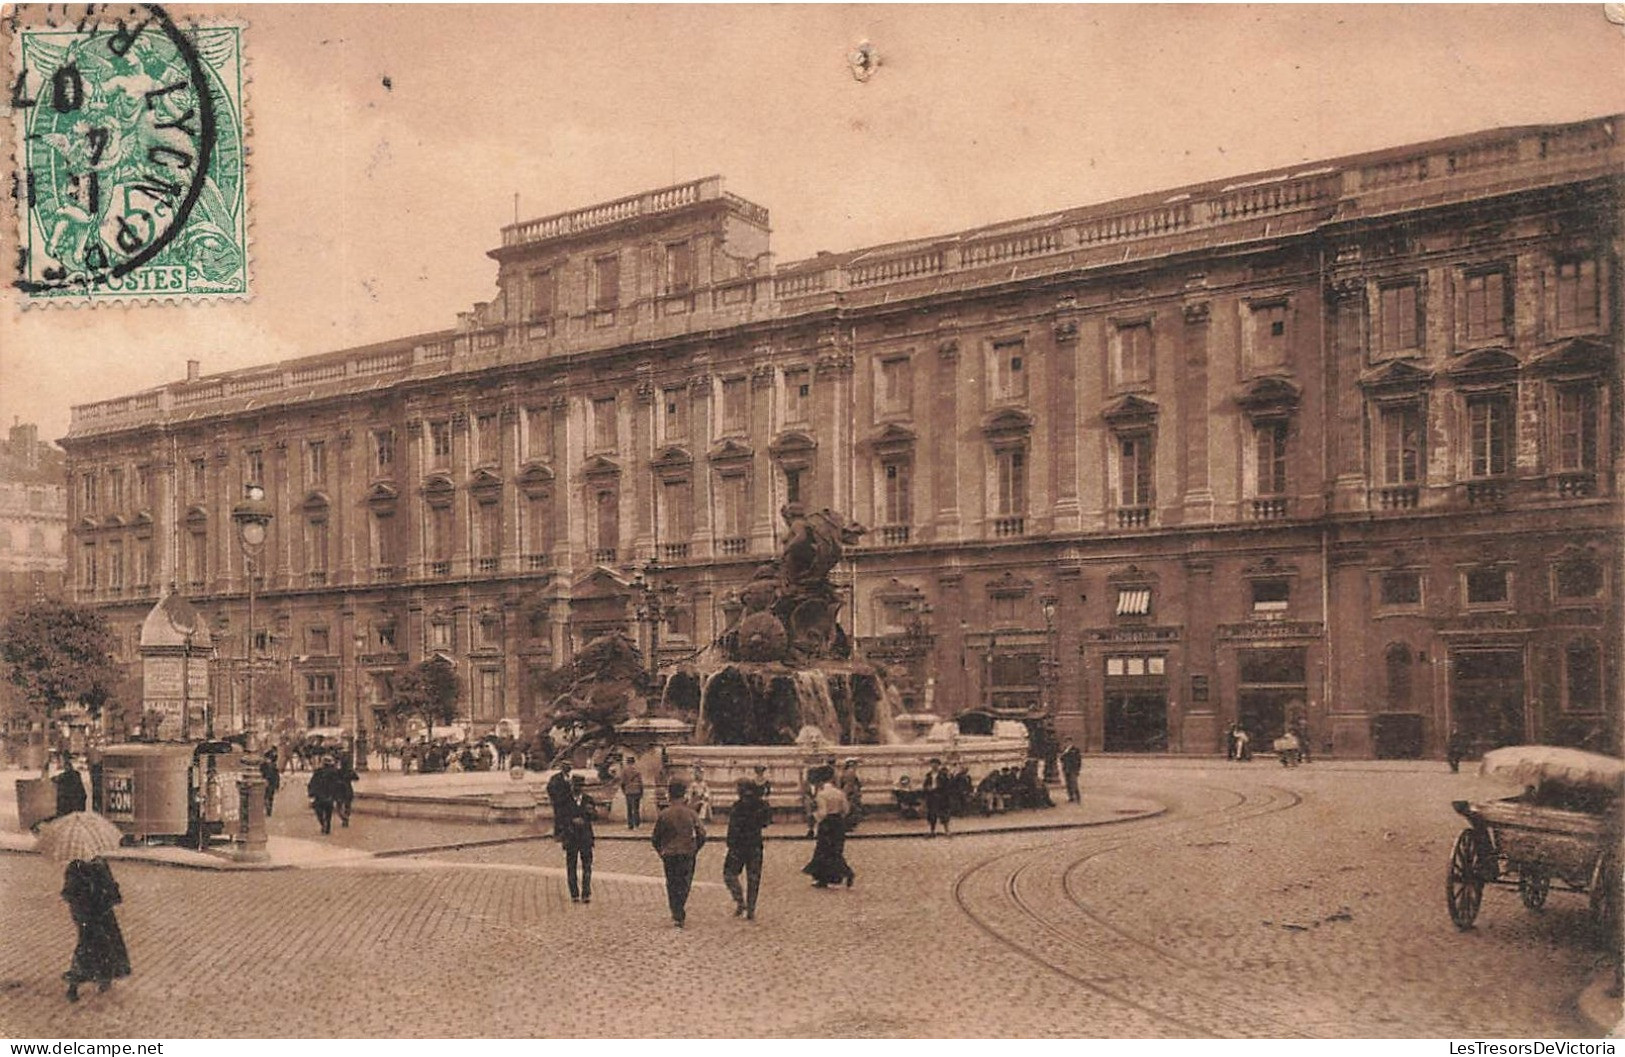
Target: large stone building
33 517
1333 443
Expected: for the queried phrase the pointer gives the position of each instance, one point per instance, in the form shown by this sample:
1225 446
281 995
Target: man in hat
1071 765
70 788
937 791
632 789
749 817
578 839
679 834
559 796
273 778
325 788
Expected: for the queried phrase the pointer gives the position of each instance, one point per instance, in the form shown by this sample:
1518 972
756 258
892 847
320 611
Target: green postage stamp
129 156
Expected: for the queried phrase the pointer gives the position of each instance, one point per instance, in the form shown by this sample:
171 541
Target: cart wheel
1605 897
1533 886
1465 888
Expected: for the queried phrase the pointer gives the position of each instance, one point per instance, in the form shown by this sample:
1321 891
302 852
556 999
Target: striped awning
1133 601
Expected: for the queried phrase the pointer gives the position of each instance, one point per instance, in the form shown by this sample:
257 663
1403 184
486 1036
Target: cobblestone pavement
1266 902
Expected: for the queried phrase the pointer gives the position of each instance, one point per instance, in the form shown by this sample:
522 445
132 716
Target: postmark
129 157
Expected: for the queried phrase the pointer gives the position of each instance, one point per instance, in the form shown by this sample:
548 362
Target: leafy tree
426 691
58 654
594 692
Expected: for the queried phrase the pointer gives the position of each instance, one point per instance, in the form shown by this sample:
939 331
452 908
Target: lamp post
361 746
651 609
1051 675
253 518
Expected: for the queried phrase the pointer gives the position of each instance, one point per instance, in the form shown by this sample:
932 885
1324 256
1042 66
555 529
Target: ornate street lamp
361 747
253 519
1051 676
652 607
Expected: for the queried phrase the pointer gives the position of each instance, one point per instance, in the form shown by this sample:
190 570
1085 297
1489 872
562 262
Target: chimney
194 369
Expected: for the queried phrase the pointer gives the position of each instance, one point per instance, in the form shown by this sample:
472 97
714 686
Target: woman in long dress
829 865
91 894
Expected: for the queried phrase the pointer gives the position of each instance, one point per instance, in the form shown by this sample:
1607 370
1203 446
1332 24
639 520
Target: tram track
1102 957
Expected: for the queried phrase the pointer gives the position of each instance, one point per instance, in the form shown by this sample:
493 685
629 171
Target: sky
372 207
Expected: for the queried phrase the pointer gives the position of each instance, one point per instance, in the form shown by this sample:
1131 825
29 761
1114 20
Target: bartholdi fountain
788 694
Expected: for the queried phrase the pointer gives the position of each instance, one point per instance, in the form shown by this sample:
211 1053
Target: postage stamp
129 158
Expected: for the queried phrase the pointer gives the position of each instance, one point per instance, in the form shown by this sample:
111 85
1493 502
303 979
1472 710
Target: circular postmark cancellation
117 118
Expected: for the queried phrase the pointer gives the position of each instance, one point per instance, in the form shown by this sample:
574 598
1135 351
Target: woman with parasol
81 840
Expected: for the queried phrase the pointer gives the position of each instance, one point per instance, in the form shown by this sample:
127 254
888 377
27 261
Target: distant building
1332 446
33 516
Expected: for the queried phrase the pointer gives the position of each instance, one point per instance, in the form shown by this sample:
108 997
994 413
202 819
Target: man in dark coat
750 815
678 837
70 788
938 794
1071 765
347 781
559 789
578 839
632 789
324 788
273 779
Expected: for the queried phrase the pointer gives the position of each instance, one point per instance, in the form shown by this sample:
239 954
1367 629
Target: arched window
1397 661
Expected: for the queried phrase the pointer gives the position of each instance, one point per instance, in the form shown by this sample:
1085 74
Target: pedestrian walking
346 790
699 794
1455 749
558 796
70 788
324 788
751 814
578 839
1071 766
937 788
632 790
828 864
273 779
91 893
852 788
678 837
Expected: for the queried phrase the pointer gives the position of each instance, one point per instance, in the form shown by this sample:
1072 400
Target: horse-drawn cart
1563 830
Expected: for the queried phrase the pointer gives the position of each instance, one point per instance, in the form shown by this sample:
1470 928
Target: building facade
1332 445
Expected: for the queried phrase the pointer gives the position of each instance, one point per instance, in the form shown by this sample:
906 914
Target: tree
594 692
426 691
59 654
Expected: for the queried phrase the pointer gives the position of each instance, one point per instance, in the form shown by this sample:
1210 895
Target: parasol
1535 764
78 835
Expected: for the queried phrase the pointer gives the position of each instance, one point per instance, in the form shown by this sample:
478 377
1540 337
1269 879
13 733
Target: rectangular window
674 415
606 283
1133 354
143 490
734 498
679 267
440 442
490 439
542 286
385 634
797 395
1269 335
1134 462
440 636
197 558
316 463
896 385
1010 369
898 501
254 466
1577 428
676 505
607 521
605 435
1578 305
87 494
200 478
143 562
538 524
1270 442
115 564
792 485
488 697
1271 597
735 409
1487 587
316 545
1582 663
1402 588
115 489
488 525
1400 310
383 450
321 699
1011 466
538 433
1402 445
383 539
1489 423
1134 601
1485 305
318 641
440 534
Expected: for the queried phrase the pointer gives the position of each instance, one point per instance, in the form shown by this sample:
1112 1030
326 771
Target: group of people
331 789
